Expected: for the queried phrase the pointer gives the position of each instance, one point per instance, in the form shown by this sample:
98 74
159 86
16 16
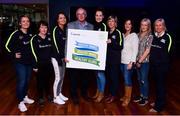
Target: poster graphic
86 49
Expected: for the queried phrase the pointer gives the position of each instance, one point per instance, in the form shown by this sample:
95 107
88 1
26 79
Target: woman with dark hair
18 45
58 60
101 80
159 61
128 58
42 51
114 47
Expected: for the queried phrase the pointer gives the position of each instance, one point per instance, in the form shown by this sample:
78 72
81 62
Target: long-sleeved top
130 49
114 48
58 45
19 42
41 49
160 48
78 25
100 26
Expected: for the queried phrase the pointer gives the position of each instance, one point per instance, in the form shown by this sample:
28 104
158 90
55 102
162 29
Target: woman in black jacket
159 61
101 80
42 51
58 59
18 45
114 47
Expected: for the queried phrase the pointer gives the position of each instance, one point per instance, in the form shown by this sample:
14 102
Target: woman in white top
128 57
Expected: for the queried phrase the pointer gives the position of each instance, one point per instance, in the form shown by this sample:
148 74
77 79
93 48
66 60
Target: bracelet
139 62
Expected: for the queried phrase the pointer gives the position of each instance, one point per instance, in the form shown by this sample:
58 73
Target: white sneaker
28 100
58 101
22 107
63 97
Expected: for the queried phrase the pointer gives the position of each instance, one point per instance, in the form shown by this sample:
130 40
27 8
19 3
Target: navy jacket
41 50
160 49
115 47
20 42
100 26
58 44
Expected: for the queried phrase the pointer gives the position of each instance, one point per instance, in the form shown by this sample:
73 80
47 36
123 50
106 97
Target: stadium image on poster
86 49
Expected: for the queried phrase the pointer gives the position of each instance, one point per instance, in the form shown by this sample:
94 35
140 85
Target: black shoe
107 98
50 98
111 99
41 101
75 100
143 102
86 97
137 99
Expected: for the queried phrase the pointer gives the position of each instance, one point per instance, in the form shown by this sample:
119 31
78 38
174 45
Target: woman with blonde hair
142 63
114 47
159 61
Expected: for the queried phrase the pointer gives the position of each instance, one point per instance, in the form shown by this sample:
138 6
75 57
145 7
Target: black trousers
79 75
159 73
44 75
113 75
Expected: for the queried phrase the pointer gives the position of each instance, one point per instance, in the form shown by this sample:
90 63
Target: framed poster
86 49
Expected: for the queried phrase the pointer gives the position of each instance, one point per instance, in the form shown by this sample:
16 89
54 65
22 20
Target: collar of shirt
156 34
82 25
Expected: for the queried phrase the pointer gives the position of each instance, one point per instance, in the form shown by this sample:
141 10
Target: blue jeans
23 72
127 74
142 73
101 80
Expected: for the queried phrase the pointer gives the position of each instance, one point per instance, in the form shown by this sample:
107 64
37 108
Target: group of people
126 51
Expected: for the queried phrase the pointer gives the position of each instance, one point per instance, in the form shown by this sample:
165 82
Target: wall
24 1
167 9
65 5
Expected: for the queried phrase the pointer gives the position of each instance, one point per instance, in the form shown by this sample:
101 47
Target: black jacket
20 42
41 50
160 49
115 47
59 40
100 26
